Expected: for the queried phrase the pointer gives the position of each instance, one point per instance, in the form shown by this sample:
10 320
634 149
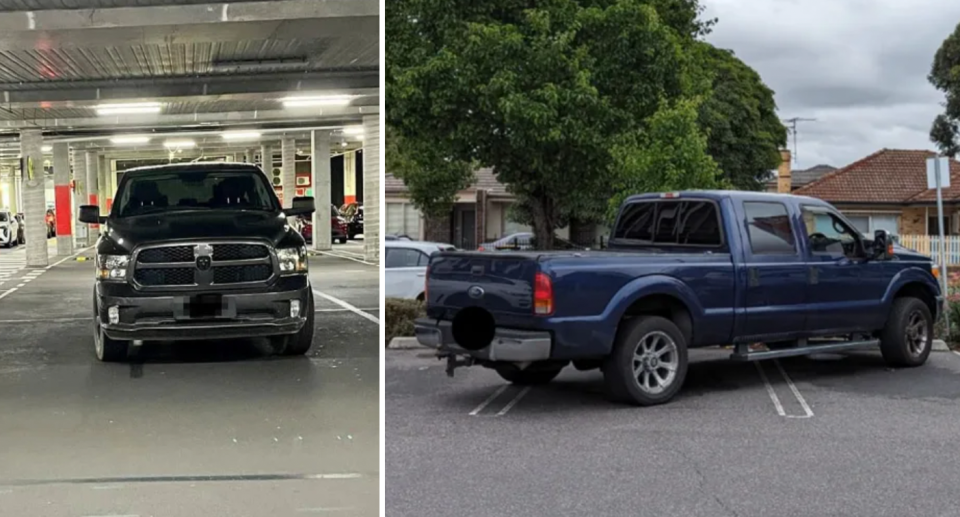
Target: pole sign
938 177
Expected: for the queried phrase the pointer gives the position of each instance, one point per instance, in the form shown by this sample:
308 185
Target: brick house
888 190
479 214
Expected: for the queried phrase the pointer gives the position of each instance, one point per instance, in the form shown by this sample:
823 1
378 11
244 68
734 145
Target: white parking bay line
490 399
770 391
347 306
514 401
796 393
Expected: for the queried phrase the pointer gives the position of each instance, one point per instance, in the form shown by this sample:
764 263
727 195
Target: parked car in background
338 230
685 270
11 231
51 223
524 241
405 267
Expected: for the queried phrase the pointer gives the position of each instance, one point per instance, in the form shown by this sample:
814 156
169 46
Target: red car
338 230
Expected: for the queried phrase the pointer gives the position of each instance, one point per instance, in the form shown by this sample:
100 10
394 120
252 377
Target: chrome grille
196 265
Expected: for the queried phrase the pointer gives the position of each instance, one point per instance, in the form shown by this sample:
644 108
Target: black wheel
648 363
108 350
299 343
908 337
530 376
343 240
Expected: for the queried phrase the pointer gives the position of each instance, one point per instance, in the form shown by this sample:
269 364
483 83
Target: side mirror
90 214
301 206
882 246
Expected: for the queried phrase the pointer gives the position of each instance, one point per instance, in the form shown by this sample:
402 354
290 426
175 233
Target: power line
792 129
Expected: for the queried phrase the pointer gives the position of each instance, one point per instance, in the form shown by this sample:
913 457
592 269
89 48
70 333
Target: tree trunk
543 222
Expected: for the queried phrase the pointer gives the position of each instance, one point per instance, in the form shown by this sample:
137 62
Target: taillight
480 248
542 295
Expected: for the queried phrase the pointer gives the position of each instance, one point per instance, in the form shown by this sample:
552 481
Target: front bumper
166 318
509 345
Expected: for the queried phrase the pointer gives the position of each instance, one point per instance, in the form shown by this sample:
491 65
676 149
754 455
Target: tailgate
500 283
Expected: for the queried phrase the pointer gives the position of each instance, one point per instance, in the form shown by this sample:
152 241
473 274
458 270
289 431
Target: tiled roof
800 178
887 176
485 180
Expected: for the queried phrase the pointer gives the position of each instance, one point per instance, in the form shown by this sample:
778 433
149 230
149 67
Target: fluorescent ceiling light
46 148
353 130
128 108
179 144
319 100
130 139
240 135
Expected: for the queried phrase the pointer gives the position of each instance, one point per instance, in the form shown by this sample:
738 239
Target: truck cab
684 270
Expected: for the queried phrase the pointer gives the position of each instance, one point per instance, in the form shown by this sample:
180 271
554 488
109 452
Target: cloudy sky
857 66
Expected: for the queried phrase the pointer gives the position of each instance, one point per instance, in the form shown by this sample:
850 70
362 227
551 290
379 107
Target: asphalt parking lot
823 436
205 428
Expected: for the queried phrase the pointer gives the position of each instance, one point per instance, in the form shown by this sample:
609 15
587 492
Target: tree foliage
551 95
432 176
945 76
744 132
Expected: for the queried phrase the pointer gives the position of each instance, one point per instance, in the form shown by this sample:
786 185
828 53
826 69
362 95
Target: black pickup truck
199 251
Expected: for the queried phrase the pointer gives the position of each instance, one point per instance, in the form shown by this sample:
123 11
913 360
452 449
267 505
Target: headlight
292 260
112 267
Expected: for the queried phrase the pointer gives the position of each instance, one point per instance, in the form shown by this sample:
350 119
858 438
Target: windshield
193 190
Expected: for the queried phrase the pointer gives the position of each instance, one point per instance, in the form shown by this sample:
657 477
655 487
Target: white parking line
490 399
796 393
514 401
339 255
347 306
773 394
808 413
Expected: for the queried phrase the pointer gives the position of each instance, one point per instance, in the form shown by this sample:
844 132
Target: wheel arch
663 305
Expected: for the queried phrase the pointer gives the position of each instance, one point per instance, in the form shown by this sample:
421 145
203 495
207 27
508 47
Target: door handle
754 275
421 274
814 275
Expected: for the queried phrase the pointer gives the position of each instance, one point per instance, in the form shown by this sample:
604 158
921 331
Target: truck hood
130 232
909 254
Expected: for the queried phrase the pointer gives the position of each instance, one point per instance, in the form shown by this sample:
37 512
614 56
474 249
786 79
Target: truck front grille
237 274
203 265
158 277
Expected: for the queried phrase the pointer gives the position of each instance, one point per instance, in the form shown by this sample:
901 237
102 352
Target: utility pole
792 129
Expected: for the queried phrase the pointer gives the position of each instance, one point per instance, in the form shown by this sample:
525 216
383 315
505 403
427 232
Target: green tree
744 132
432 176
551 95
945 76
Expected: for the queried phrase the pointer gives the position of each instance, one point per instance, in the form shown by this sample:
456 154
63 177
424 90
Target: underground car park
280 414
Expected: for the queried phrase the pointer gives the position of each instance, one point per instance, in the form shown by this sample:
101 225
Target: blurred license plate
205 306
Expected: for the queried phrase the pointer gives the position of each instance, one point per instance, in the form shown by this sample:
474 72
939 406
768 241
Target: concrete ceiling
211 65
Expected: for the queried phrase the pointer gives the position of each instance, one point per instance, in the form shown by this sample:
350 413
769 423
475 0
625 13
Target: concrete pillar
34 200
103 183
266 158
320 171
371 188
349 178
15 190
63 202
93 173
80 230
288 174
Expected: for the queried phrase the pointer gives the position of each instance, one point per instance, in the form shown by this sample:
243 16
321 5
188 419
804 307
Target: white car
405 267
9 230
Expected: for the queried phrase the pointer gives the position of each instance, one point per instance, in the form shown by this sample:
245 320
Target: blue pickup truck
684 270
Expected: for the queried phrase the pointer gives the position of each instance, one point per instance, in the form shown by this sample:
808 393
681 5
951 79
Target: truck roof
194 167
717 195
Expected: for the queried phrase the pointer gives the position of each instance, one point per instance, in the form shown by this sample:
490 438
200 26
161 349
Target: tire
107 350
530 376
663 350
343 240
299 343
907 338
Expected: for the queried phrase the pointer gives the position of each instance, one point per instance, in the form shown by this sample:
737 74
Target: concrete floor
207 428
854 439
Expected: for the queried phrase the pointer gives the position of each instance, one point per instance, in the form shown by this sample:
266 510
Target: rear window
676 223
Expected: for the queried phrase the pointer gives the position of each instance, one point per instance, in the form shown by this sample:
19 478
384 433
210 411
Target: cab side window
405 257
828 234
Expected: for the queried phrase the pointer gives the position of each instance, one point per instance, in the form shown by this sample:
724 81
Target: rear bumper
165 318
508 344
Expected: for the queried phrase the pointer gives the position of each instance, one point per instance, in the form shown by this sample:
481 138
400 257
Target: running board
838 346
